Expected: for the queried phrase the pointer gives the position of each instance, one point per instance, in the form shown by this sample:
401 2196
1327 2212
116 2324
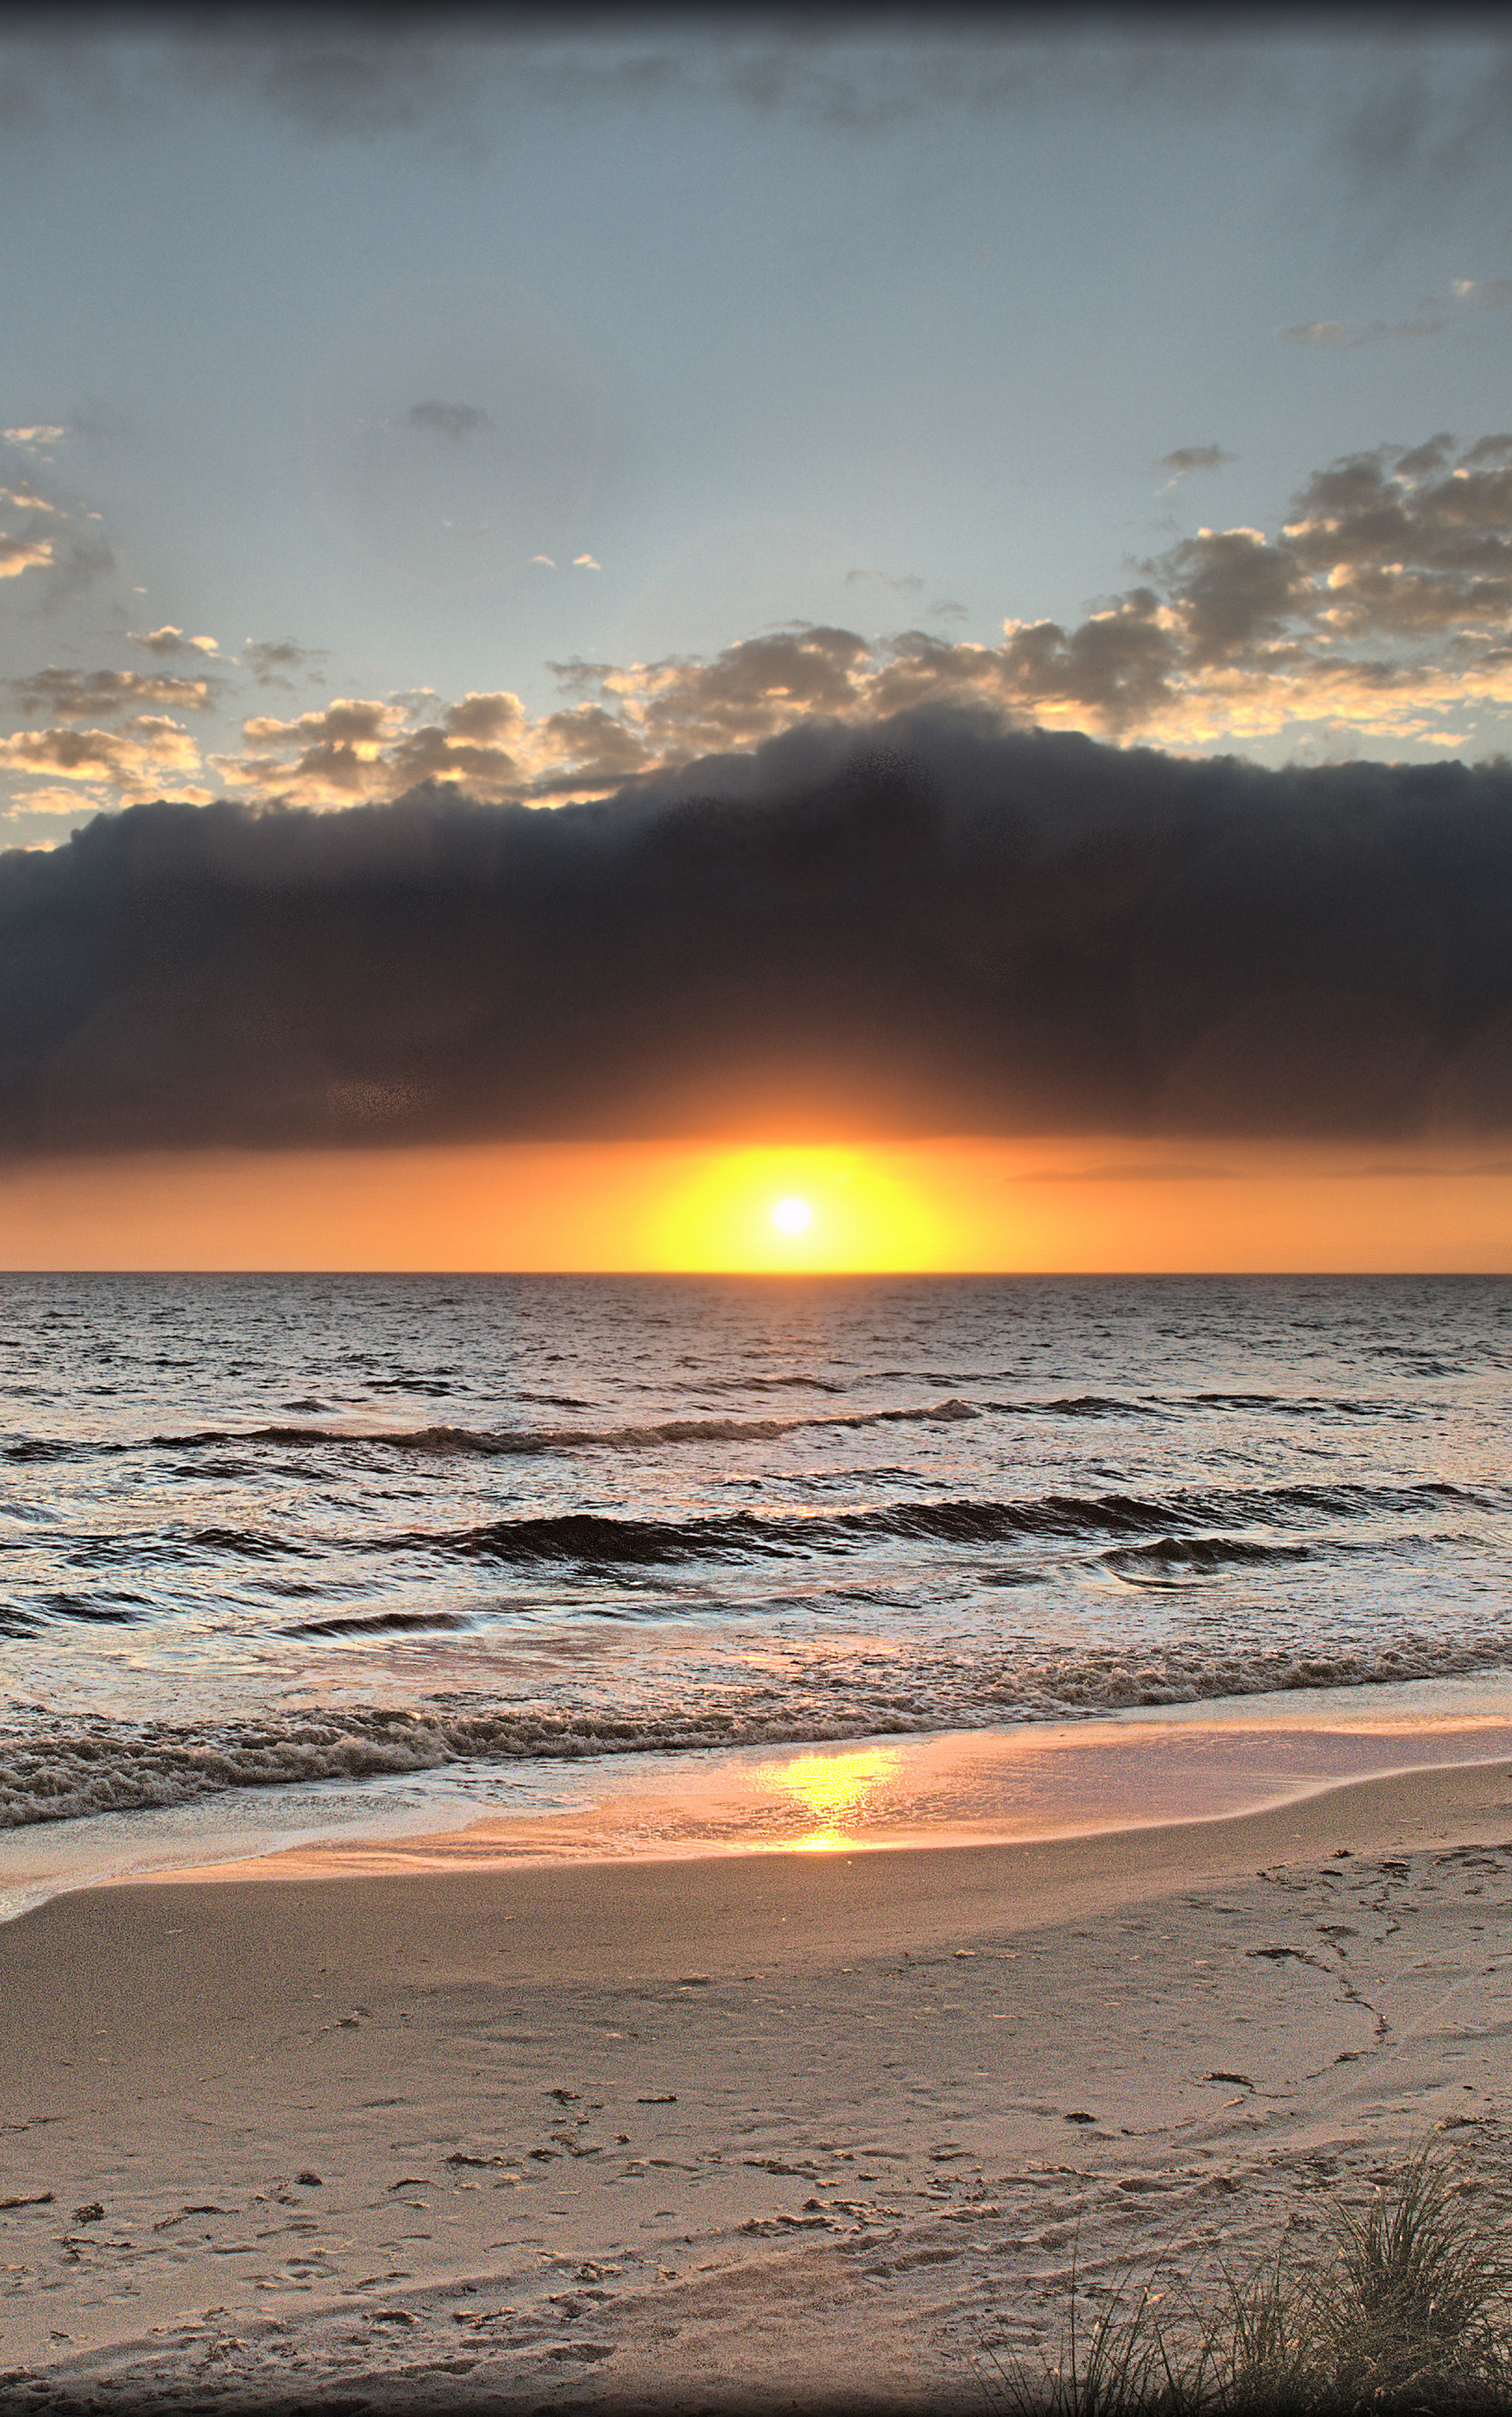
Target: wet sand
785 2125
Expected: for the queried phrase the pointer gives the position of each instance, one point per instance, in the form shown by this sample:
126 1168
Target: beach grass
1403 2311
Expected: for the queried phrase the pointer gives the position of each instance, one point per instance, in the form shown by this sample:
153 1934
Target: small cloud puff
1350 334
38 439
451 421
1187 458
585 562
278 662
171 641
19 554
1434 317
883 579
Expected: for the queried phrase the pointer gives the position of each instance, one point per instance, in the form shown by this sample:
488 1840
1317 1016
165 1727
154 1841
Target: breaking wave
65 1772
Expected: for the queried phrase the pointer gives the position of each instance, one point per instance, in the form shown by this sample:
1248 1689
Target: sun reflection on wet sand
835 1790
1036 1781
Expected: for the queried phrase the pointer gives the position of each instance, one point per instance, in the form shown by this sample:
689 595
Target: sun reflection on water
833 1791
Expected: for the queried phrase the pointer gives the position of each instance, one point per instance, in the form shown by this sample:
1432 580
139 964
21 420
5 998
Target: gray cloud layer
934 924
1410 107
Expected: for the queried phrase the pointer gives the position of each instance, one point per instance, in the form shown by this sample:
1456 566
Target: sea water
279 1552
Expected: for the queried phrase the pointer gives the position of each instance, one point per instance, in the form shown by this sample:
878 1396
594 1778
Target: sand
676 2132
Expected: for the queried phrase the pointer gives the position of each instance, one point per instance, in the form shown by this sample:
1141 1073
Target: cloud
150 753
73 696
904 586
451 421
22 499
19 554
278 662
1434 317
925 924
465 79
585 562
36 439
1351 334
464 82
170 641
76 563
1187 458
1381 610
1425 123
59 801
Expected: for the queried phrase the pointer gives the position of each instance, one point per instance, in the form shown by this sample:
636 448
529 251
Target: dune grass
1401 2312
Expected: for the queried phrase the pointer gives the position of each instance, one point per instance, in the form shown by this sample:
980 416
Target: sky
534 549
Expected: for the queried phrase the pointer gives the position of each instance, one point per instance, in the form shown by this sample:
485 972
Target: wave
595 1539
511 1443
1154 1405
64 1771
374 1623
1168 1560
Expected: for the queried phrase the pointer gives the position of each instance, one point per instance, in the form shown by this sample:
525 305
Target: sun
801 1209
791 1214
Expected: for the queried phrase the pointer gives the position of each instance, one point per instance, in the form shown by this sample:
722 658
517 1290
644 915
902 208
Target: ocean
280 1553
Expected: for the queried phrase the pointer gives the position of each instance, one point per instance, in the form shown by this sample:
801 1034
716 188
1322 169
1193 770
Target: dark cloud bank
937 925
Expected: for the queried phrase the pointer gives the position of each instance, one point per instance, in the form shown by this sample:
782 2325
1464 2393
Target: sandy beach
678 2132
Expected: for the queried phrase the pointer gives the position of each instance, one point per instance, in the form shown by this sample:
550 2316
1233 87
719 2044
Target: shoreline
774 2122
1083 1776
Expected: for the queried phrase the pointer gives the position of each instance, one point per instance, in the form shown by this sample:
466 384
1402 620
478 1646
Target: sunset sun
791 1214
804 1209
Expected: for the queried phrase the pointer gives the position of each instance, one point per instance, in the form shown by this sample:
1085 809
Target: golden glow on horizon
1055 1205
841 1211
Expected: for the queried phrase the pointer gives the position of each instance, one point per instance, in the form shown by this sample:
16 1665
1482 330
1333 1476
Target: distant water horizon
264 1532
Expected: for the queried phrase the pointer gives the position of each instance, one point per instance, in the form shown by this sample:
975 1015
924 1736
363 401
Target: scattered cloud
1425 123
170 641
150 754
544 560
36 439
453 422
1432 318
929 923
19 554
22 500
585 562
1349 334
59 801
56 695
1381 611
280 663
77 562
1187 458
906 585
